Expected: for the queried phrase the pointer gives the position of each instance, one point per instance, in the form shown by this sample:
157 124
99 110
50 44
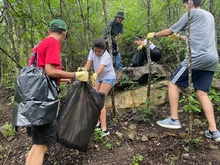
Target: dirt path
129 142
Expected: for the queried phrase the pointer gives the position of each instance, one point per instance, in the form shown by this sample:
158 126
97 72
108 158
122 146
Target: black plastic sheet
36 98
78 116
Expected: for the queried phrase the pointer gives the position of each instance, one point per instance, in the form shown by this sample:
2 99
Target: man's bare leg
173 93
207 108
36 156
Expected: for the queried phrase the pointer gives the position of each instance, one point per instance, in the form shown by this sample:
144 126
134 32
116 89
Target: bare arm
163 33
183 37
167 32
100 69
53 72
88 64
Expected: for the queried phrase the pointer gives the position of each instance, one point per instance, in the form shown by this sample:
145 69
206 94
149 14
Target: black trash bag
155 54
78 116
137 60
36 98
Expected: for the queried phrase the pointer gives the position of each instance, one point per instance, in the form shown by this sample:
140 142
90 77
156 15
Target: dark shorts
44 134
201 79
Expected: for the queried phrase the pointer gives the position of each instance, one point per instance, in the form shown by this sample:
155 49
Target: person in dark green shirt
116 29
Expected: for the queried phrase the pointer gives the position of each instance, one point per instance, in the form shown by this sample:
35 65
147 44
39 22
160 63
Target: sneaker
215 135
169 123
105 133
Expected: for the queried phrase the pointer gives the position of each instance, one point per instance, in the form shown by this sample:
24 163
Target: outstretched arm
163 33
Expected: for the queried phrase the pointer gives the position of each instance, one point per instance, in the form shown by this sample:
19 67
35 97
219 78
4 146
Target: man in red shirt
48 51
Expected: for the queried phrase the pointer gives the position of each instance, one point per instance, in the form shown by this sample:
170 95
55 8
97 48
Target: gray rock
144 138
140 74
216 84
134 98
201 133
197 122
125 123
119 134
185 155
132 127
131 136
151 136
213 147
204 125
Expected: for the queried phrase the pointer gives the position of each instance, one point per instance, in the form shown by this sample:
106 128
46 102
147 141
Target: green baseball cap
57 24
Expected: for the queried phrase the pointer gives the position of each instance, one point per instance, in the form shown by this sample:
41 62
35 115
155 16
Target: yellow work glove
93 78
79 69
174 36
150 35
82 76
140 47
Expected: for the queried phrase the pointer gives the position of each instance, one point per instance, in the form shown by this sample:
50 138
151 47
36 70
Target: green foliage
191 103
98 136
186 149
136 159
108 146
9 130
214 96
143 115
11 98
9 80
197 140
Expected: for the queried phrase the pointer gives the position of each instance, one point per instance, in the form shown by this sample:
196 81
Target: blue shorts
110 81
201 79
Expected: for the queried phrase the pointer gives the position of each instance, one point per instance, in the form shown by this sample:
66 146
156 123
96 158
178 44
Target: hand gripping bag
36 97
78 116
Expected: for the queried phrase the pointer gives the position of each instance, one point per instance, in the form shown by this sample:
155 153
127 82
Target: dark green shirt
116 28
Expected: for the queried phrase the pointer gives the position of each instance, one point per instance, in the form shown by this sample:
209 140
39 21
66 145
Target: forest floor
129 142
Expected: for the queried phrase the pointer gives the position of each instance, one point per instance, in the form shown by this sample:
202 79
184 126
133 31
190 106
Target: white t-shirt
152 46
108 72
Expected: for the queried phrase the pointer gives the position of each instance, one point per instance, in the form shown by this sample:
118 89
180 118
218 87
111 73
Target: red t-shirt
48 51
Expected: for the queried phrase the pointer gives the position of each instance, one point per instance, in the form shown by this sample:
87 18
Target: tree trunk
148 58
211 3
61 9
85 27
190 88
9 22
110 51
168 13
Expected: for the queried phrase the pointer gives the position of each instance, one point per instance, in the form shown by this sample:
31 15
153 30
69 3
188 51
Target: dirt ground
129 142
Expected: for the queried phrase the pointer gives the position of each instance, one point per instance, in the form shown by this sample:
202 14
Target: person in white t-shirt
103 77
